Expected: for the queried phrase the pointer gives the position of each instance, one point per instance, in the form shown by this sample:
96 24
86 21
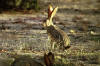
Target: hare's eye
44 20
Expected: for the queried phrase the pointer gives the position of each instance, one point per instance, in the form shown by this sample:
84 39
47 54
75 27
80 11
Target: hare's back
54 33
66 38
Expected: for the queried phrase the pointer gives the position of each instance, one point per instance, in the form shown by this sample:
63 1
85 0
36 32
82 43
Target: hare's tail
67 47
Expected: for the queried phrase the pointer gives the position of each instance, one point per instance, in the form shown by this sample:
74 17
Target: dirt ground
22 36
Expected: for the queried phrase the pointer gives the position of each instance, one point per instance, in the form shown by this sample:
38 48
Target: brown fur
54 32
49 59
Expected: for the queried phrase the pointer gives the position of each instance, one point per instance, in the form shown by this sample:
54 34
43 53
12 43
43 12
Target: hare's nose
42 24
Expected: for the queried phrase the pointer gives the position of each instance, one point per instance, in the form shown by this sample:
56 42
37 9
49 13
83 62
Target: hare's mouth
44 25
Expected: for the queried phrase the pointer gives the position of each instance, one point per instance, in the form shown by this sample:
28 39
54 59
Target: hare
55 34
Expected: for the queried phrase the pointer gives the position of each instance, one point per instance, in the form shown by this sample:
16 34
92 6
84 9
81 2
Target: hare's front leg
52 45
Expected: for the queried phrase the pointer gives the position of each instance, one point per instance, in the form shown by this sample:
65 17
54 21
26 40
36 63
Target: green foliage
95 37
19 4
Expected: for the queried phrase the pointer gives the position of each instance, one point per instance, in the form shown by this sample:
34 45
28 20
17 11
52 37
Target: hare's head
51 14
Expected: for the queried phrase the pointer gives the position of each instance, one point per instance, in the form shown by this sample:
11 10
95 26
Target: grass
95 37
81 54
77 55
80 59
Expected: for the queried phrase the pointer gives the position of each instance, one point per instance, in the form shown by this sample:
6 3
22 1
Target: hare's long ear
50 10
53 13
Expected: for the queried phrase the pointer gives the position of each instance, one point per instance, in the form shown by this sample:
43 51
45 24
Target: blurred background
40 4
22 36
